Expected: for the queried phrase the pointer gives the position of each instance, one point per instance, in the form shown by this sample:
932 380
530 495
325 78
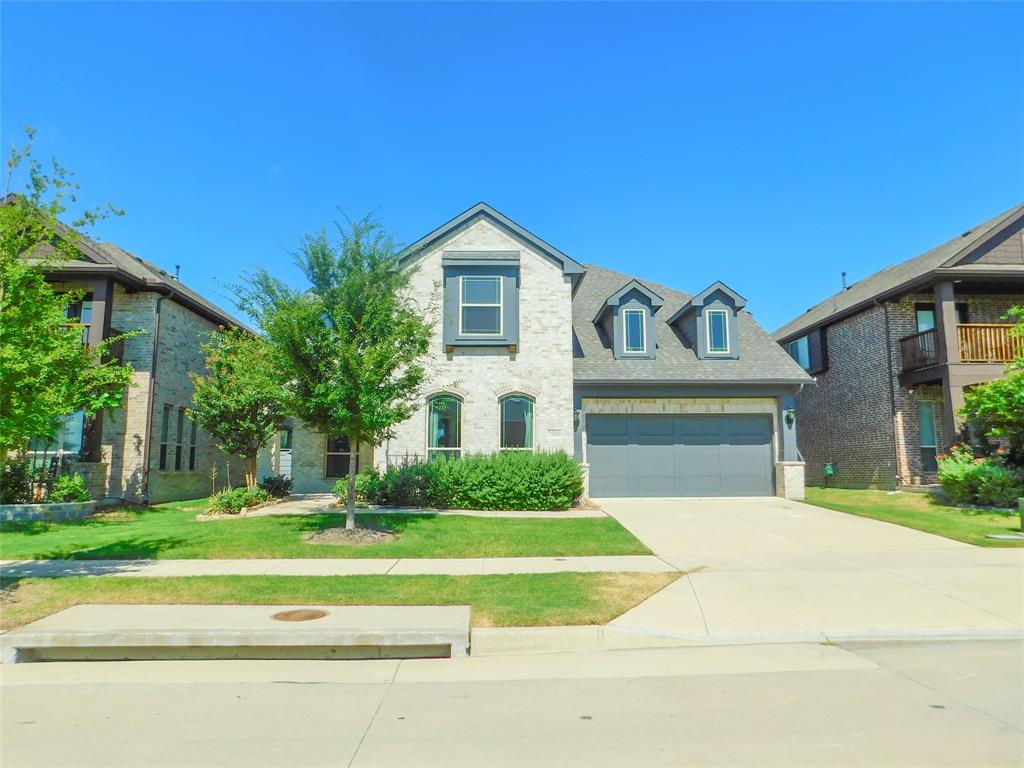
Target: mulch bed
357 537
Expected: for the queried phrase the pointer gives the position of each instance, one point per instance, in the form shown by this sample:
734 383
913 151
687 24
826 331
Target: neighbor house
147 450
656 392
893 354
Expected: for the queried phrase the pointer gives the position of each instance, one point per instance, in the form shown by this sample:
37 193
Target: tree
241 400
997 406
351 343
45 369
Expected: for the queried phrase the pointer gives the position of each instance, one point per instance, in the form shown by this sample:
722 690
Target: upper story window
80 312
634 330
800 350
516 423
444 427
480 305
718 330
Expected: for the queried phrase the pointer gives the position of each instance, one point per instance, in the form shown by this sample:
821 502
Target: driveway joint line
376 711
700 607
951 597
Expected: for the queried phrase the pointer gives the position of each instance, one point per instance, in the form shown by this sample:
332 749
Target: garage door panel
679 455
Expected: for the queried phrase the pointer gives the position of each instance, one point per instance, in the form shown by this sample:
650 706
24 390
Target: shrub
504 481
68 488
277 486
369 485
233 500
16 483
986 481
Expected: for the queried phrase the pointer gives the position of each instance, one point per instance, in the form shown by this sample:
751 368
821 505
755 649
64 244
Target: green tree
351 343
241 400
997 406
45 369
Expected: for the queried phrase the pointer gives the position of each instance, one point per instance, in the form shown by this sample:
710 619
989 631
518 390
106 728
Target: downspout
892 395
147 443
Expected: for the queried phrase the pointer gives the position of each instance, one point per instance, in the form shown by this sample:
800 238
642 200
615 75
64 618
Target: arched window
516 423
444 427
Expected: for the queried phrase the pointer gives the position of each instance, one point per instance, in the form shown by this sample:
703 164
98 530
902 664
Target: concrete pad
793 601
993 588
674 609
238 631
731 660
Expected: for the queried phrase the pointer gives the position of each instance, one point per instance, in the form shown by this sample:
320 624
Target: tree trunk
250 472
350 496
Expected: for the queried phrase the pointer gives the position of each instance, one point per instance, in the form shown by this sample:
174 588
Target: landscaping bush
233 500
277 486
985 481
68 488
503 481
16 483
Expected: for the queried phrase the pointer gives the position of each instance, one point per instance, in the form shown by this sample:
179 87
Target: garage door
693 455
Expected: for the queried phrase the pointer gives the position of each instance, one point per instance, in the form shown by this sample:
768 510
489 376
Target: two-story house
893 353
656 392
147 450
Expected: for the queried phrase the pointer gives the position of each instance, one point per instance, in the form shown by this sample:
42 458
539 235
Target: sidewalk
335 566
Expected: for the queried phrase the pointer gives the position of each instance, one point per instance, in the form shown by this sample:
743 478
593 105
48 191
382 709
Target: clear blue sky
769 146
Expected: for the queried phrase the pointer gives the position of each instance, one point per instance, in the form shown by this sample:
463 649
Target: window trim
500 305
501 421
707 321
625 331
806 339
431 449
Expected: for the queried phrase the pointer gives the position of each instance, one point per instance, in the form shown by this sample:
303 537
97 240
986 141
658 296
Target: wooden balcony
988 343
978 342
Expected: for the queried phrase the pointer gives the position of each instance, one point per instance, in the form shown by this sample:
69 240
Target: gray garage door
706 455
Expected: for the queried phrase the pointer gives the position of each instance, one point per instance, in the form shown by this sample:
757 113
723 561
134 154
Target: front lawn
526 600
171 532
922 511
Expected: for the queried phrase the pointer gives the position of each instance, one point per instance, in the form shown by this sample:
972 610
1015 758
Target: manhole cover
300 614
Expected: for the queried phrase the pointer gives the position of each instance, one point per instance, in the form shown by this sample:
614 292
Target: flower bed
980 480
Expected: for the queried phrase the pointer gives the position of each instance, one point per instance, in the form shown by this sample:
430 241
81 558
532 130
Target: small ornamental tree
241 400
997 406
46 371
351 343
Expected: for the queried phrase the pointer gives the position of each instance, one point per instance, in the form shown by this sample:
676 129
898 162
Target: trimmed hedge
502 481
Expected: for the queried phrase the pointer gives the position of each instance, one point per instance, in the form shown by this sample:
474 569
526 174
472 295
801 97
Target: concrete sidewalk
335 566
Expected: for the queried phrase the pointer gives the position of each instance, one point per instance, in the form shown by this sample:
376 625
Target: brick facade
858 416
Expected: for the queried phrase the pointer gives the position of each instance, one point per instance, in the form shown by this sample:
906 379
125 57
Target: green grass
171 532
922 511
525 600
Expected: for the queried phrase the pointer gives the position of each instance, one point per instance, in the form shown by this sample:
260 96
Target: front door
285 460
926 430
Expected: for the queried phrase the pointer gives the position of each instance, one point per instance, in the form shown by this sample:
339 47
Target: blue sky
769 146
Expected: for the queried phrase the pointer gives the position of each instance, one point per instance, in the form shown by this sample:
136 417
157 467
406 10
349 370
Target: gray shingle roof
760 360
894 276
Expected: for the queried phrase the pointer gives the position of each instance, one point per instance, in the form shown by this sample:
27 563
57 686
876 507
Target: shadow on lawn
397 524
136 548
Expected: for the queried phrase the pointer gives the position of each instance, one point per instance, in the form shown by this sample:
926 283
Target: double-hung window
179 439
339 456
165 428
192 445
480 305
634 330
718 330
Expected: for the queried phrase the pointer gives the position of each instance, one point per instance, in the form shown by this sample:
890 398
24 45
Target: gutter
147 444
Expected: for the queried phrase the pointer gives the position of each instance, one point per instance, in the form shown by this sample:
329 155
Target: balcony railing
988 343
979 343
920 350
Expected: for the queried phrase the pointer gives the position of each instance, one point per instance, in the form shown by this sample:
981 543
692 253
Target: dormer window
480 306
718 330
634 322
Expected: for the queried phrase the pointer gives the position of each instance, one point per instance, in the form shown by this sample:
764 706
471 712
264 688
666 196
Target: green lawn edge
501 600
923 512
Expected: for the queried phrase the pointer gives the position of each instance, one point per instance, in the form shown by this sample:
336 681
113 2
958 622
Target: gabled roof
483 210
633 285
109 260
761 360
901 278
701 298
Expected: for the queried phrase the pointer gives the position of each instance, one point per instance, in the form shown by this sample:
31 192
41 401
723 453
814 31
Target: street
894 704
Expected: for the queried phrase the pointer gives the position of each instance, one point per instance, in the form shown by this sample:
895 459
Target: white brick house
657 392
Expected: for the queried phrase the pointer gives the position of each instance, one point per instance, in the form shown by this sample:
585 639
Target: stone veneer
540 368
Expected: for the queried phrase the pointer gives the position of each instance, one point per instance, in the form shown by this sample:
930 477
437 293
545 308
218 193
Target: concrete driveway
773 567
